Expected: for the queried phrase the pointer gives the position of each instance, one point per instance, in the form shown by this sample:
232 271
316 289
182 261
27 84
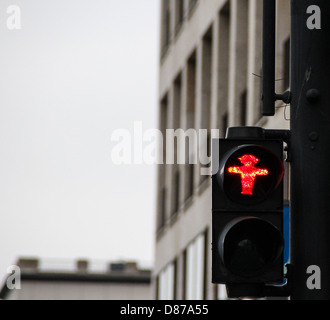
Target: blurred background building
210 78
118 281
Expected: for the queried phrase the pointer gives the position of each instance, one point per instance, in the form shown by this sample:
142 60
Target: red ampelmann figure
248 173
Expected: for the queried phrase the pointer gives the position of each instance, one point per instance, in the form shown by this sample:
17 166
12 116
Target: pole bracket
286 97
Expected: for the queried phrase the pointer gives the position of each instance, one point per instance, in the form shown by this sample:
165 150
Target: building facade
31 280
210 78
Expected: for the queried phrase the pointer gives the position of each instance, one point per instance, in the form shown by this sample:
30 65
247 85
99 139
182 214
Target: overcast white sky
76 71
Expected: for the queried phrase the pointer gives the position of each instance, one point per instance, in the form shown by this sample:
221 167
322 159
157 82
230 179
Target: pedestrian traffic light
247 212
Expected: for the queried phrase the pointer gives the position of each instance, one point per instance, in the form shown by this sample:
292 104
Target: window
238 59
243 111
166 27
166 283
176 192
207 44
176 121
222 292
195 269
190 169
162 190
190 115
223 67
206 79
184 279
259 98
164 121
192 4
179 15
162 209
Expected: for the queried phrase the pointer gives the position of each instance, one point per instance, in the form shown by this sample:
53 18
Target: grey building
210 78
121 281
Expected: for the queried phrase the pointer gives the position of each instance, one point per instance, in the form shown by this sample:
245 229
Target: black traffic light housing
247 210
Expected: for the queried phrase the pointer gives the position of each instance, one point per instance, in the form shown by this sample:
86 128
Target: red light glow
248 173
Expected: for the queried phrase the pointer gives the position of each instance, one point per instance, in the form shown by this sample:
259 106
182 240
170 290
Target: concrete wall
34 290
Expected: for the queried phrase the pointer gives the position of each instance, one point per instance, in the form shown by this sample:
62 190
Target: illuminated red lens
248 173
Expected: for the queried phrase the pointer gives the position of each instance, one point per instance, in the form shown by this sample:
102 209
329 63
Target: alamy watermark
314 19
153 146
314 280
13 18
14 277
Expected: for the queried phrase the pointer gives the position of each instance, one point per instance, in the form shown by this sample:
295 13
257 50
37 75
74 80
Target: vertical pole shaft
310 151
268 68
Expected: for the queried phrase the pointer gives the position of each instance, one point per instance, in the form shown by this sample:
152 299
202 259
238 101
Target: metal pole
310 147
